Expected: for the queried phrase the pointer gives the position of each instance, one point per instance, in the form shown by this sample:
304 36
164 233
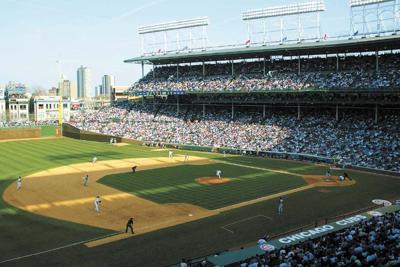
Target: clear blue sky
102 33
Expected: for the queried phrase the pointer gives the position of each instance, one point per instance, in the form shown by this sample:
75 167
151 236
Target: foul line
243 220
259 168
59 248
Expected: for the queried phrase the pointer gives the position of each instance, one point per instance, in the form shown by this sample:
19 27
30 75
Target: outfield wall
19 133
33 132
75 133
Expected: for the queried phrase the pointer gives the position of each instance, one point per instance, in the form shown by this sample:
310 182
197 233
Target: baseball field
180 207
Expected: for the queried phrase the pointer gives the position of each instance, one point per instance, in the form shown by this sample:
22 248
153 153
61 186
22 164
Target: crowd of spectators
356 72
373 242
25 124
353 140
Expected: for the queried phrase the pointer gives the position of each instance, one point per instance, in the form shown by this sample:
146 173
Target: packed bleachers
354 72
354 139
373 242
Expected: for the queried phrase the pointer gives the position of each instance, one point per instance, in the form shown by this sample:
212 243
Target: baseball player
170 154
134 169
280 206
97 202
19 183
94 160
129 225
86 180
186 158
219 172
328 173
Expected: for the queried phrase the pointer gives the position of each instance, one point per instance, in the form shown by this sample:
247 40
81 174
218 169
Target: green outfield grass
33 232
23 233
177 184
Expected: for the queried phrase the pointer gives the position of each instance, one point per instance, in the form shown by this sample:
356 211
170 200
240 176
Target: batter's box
254 222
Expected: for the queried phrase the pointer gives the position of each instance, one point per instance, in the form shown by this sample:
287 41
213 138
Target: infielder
94 160
186 158
19 183
280 206
86 180
97 202
170 154
219 172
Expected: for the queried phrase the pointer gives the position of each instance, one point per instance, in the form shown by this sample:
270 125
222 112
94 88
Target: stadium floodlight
300 8
174 25
356 3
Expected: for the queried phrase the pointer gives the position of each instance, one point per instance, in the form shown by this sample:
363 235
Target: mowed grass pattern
23 232
177 184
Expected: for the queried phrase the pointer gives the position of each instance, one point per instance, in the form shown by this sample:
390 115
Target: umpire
129 225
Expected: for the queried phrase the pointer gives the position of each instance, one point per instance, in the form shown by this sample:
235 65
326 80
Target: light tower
268 16
187 36
374 17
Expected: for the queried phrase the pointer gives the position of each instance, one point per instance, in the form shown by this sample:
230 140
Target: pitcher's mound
212 180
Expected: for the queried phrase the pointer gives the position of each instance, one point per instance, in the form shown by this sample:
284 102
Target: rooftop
349 45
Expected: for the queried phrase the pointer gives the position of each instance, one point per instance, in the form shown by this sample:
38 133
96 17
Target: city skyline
84 82
46 39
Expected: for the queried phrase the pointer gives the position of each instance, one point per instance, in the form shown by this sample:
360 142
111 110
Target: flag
355 33
159 50
325 36
248 41
284 39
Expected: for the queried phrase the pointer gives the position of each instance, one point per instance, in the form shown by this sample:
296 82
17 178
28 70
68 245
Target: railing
260 90
271 43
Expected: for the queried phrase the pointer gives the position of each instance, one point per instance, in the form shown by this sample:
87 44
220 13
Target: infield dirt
59 193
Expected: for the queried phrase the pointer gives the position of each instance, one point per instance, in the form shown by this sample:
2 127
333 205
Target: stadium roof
307 48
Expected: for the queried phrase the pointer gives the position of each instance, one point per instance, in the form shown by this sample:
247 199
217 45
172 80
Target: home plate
190 215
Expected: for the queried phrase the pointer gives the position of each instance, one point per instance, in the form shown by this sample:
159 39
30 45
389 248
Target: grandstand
287 101
332 101
304 129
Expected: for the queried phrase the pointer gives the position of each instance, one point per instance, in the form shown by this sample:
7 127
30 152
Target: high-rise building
107 84
67 88
84 82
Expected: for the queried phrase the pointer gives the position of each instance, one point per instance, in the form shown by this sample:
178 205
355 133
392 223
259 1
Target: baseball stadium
264 154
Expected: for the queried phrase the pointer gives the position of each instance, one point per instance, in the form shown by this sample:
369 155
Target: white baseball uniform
280 206
19 183
97 202
94 160
219 173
